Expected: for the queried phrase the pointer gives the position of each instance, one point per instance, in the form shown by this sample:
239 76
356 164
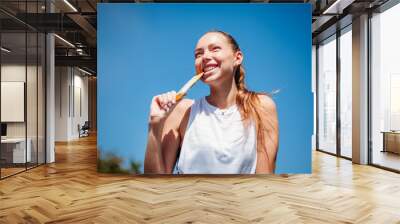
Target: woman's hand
161 106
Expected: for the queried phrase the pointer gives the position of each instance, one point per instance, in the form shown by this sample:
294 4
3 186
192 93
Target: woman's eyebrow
212 45
198 49
209 46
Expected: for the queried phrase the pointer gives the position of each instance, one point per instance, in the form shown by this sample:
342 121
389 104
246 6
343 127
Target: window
346 92
327 95
385 88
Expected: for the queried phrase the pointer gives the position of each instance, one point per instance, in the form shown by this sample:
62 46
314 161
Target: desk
16 147
391 141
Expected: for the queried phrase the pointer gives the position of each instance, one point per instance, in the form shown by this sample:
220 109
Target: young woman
231 131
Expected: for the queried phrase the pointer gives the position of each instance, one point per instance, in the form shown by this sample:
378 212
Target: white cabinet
18 149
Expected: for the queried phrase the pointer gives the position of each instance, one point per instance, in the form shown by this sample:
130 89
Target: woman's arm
266 154
163 134
153 162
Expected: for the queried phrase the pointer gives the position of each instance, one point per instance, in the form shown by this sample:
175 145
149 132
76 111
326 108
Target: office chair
84 130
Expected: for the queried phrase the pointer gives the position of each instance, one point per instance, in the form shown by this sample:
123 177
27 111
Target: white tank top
217 142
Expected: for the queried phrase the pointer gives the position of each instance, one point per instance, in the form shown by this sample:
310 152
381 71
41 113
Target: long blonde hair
247 101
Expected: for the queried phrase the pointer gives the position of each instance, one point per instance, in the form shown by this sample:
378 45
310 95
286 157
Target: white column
50 99
360 90
50 92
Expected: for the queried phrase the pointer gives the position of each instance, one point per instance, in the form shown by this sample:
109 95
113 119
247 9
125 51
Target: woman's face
215 57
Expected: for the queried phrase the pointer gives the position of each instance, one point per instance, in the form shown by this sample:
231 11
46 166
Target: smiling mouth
208 69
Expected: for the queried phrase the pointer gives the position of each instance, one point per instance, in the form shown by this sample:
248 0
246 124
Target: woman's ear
238 58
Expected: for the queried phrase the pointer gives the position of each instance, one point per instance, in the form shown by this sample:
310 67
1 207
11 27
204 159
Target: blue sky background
147 49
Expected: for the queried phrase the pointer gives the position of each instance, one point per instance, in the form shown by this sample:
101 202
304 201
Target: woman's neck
223 95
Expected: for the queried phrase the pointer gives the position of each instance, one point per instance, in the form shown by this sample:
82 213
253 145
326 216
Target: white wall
62 81
70 94
80 103
12 73
15 72
12 100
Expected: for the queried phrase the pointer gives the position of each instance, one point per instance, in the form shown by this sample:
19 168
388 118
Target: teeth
209 68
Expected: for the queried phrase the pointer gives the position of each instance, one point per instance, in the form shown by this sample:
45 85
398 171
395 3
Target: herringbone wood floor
71 191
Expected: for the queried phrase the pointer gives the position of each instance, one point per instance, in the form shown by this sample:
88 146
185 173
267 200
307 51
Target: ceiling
76 22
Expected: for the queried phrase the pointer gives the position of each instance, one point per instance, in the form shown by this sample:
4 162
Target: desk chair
84 130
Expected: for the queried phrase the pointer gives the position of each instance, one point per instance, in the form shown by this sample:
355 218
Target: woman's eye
216 49
197 55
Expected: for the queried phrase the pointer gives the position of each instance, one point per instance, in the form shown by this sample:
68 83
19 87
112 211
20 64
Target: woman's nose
206 55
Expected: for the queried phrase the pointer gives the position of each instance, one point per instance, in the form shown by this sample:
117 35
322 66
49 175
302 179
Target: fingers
167 100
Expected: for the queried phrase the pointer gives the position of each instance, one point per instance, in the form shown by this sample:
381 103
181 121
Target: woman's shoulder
179 114
185 104
267 102
183 108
